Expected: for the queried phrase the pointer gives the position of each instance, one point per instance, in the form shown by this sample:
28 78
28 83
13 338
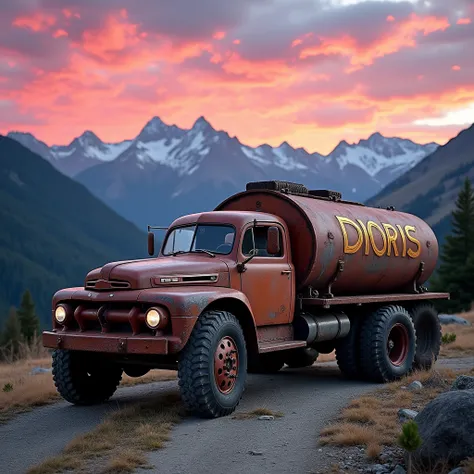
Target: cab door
268 280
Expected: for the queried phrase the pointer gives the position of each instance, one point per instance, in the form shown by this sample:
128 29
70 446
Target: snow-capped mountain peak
368 165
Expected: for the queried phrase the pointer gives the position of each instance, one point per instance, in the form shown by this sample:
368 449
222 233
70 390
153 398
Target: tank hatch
282 186
326 193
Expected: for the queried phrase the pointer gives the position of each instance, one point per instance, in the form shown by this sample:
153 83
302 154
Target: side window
256 238
248 244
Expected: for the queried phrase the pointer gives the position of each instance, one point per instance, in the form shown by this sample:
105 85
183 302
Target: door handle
285 272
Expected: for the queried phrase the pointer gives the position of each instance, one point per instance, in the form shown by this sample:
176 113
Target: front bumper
110 342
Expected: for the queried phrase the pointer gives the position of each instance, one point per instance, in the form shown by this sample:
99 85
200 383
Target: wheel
388 344
267 363
136 370
302 357
84 378
212 368
348 351
428 335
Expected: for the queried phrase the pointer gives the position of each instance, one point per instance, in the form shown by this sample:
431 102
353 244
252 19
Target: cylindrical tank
381 249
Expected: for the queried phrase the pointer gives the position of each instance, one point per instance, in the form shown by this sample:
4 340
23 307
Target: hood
150 272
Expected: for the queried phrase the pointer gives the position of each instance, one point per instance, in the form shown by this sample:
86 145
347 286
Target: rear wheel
428 335
84 378
212 368
301 357
388 344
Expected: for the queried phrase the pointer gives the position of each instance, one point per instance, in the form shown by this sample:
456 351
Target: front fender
186 304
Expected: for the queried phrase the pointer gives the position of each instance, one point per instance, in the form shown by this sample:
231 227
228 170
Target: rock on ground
463 382
405 414
446 426
452 319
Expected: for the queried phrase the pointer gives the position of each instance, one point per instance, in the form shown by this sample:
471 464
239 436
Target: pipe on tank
323 327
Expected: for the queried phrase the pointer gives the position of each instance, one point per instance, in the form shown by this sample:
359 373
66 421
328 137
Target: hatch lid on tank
287 187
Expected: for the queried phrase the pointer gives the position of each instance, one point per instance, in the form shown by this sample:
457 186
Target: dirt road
308 398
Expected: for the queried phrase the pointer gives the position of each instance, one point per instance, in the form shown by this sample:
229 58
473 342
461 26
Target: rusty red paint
397 344
226 364
317 242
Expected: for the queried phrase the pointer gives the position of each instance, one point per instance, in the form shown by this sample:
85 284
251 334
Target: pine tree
457 255
29 321
11 336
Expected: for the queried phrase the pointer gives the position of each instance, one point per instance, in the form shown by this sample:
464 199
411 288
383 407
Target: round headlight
60 314
153 318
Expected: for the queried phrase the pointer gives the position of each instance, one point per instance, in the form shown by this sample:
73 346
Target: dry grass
256 413
327 357
121 441
468 466
464 344
372 420
35 390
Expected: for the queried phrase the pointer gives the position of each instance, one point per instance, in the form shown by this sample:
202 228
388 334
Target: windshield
193 238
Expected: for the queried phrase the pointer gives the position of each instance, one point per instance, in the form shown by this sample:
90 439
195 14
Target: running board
279 346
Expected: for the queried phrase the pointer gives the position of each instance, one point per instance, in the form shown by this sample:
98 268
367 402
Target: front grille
107 317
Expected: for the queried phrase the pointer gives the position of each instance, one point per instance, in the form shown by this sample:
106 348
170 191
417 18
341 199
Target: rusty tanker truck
275 275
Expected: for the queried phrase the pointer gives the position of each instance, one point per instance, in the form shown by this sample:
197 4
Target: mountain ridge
53 230
166 171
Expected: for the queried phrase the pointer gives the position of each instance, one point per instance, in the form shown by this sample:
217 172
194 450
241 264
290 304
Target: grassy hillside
52 230
429 190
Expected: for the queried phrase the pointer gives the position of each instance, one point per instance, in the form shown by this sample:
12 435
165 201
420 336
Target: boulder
452 319
416 385
405 414
463 382
446 426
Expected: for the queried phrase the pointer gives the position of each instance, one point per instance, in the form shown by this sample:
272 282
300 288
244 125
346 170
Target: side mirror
151 243
273 240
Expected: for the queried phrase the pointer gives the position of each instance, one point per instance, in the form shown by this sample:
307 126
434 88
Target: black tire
301 357
267 363
199 388
348 350
388 344
84 378
428 335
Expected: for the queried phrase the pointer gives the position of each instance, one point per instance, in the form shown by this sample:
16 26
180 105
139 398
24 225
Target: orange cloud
456 68
403 35
390 18
36 22
59 33
464 21
219 35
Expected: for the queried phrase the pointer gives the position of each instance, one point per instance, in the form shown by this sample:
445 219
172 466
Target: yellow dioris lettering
348 248
391 239
377 251
366 236
388 233
411 253
404 241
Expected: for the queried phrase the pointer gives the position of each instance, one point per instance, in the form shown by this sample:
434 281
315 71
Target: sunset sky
311 72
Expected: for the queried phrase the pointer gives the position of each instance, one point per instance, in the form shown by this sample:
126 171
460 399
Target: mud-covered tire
84 378
388 344
198 382
348 350
428 335
301 357
267 363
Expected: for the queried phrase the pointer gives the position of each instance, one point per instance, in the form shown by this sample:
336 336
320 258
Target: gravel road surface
308 398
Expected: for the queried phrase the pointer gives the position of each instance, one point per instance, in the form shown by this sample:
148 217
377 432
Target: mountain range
167 171
430 188
52 230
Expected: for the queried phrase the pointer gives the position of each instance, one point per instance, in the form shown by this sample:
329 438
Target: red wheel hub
226 364
397 344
